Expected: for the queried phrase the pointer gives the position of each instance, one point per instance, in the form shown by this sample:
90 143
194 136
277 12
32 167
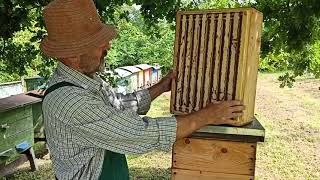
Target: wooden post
32 159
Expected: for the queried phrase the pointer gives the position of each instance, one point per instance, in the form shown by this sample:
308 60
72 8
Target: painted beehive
216 58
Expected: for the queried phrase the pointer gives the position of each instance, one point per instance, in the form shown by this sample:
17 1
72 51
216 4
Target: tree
25 16
291 31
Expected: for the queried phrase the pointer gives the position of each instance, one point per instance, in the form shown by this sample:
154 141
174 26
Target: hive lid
122 72
253 132
131 69
17 101
143 66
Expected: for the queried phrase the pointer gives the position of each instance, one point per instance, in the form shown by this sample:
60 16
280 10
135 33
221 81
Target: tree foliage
291 30
290 40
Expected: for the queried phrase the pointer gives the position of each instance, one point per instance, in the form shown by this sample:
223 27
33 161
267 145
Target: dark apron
115 165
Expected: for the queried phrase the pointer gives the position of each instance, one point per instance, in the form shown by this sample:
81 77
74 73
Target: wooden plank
242 66
175 63
224 64
216 11
258 21
209 60
252 129
181 174
18 126
187 65
15 114
195 56
201 67
181 62
215 87
246 89
32 159
253 62
246 65
16 101
214 156
19 137
12 167
234 50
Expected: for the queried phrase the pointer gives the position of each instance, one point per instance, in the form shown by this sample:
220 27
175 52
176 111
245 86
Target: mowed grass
291 117
291 149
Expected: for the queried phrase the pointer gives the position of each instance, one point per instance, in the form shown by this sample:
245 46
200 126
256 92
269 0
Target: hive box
216 57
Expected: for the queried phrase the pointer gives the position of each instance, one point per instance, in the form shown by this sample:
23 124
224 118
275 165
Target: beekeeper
89 128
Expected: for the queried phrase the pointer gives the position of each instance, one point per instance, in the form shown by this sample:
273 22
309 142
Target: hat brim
63 50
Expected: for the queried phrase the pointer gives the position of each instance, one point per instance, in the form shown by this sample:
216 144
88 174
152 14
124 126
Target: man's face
93 61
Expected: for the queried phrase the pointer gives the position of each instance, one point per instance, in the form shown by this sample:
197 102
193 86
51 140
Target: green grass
291 149
291 118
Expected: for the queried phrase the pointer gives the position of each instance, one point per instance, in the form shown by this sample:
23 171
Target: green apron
114 167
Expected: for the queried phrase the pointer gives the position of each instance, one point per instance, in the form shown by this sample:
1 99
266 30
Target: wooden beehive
207 159
16 124
218 152
216 58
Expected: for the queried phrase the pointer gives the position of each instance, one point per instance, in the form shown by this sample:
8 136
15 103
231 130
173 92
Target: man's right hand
216 113
221 112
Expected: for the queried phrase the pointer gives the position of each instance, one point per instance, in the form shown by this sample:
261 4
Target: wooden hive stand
218 152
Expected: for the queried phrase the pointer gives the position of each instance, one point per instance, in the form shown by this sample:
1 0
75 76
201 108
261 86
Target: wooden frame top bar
253 132
226 10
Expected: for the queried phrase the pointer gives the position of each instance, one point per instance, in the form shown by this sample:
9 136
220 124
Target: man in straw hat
89 128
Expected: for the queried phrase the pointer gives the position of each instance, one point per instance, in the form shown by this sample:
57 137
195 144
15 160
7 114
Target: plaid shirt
82 122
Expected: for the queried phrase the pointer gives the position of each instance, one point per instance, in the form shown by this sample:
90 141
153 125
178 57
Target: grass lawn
291 150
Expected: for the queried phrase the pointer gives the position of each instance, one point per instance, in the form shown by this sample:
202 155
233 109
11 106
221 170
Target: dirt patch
310 86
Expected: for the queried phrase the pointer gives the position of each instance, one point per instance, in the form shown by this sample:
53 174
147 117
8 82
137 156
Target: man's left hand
164 85
165 82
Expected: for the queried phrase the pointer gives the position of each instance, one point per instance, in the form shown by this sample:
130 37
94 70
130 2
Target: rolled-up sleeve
99 125
139 101
144 101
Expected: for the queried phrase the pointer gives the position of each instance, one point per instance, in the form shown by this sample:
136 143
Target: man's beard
86 61
102 66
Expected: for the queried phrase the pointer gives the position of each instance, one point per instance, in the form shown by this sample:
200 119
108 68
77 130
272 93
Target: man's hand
222 112
165 82
164 85
216 114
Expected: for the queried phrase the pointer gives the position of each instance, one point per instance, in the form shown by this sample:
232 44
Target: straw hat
73 27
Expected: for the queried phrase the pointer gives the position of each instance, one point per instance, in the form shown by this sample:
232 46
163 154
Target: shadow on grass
135 174
44 173
149 173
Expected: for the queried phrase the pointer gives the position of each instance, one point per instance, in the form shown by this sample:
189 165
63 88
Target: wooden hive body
216 58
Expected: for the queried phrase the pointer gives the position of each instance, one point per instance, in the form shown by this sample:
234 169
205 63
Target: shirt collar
65 73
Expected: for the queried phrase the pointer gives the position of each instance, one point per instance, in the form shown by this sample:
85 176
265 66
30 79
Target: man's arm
163 86
98 124
140 101
101 125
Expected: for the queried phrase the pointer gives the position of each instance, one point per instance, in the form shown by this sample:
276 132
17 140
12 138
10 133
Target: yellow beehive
216 58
